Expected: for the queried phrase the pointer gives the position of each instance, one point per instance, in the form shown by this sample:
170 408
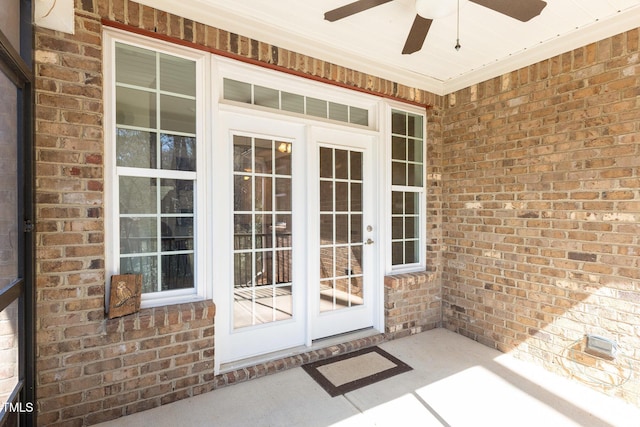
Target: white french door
297 235
342 282
259 291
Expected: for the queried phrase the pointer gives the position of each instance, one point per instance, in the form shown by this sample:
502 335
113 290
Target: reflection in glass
135 66
138 195
177 114
178 152
135 108
145 265
262 231
172 75
136 148
340 229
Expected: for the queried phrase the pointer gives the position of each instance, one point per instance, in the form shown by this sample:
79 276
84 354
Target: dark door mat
347 372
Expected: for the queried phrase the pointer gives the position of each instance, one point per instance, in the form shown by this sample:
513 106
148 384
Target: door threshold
338 341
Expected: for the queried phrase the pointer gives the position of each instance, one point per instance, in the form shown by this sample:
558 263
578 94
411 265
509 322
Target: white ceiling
372 41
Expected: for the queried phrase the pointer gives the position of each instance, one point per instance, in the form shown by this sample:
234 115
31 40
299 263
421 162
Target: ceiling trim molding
255 29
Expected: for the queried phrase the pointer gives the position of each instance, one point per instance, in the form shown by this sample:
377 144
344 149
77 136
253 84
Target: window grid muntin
330 283
158 174
408 128
355 115
254 290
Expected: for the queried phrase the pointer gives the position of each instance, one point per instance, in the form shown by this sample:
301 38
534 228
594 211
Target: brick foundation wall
542 212
91 369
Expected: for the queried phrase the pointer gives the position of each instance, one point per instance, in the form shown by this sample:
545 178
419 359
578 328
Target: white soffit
371 41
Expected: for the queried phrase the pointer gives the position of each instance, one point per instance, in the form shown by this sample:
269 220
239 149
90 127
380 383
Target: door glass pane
262 231
340 229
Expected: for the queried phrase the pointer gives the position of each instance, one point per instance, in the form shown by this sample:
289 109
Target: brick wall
542 212
91 369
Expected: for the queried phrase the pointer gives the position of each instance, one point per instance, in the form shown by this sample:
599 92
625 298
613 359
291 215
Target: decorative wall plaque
125 294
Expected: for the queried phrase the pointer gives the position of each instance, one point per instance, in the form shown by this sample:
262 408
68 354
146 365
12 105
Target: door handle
369 241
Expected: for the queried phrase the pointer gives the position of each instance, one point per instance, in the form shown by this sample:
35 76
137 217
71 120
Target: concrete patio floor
455 381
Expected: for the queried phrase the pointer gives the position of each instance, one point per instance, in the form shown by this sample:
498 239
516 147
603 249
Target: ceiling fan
428 10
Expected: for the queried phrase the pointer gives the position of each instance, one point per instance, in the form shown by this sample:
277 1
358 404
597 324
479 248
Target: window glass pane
326 229
411 252
341 164
145 265
173 71
411 227
342 228
138 195
177 271
177 196
138 235
237 91
135 108
397 202
242 193
356 196
136 149
177 114
356 165
398 148
338 112
242 154
414 150
316 107
342 196
326 263
264 193
397 230
135 66
414 175
177 234
397 253
292 102
283 158
283 194
398 123
411 203
359 116
398 173
266 97
178 152
243 237
356 228
326 162
414 125
263 155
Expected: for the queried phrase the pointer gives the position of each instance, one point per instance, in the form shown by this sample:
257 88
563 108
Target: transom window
248 93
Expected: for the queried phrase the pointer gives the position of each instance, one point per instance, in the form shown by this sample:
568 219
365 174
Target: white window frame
421 191
210 72
202 201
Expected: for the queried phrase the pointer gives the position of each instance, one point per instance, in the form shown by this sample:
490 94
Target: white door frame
330 323
232 345
267 124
